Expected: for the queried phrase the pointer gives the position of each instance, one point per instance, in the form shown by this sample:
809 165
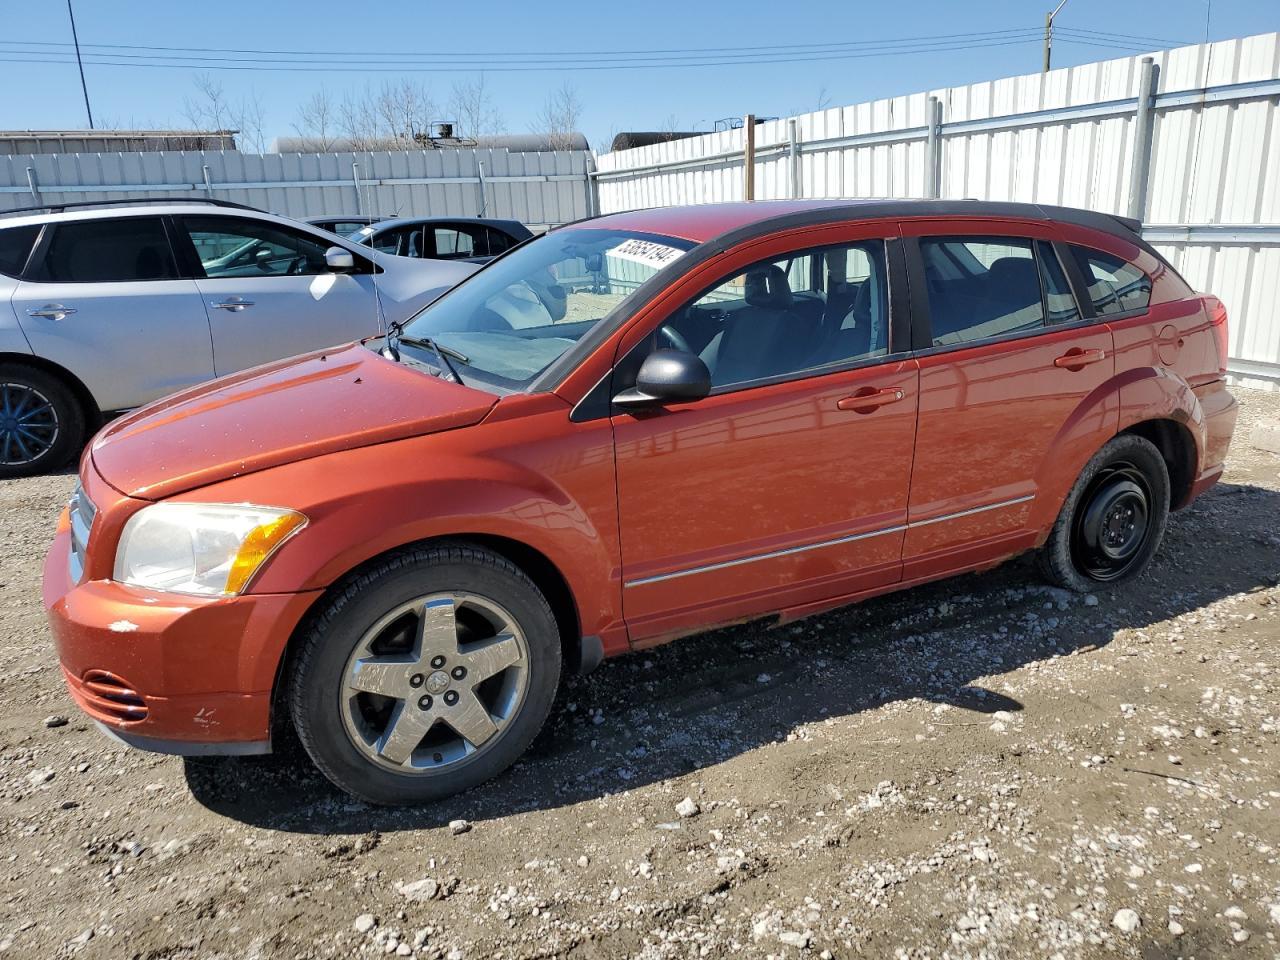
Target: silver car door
103 298
269 293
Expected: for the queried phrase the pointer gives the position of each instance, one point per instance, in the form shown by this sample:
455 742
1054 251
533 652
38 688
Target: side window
390 242
1115 285
1059 299
980 287
809 310
231 247
15 246
498 241
453 244
106 251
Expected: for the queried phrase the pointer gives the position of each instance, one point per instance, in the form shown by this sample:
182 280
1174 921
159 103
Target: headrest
768 287
1015 274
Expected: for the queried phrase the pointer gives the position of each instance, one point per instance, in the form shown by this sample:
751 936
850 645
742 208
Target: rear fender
1132 397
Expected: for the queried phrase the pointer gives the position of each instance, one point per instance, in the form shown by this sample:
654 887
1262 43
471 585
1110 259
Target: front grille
82 513
108 694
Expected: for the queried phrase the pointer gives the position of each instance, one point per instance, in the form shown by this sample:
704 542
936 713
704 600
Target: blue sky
498 33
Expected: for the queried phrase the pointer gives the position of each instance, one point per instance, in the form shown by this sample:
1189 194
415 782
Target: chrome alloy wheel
28 424
434 682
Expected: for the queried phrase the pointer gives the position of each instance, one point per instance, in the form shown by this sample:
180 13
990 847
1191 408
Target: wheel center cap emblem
438 682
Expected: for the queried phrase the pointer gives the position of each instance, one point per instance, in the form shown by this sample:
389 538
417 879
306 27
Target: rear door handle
234 304
868 399
52 311
1078 359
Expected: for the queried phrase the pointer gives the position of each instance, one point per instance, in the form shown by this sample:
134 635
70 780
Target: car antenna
388 346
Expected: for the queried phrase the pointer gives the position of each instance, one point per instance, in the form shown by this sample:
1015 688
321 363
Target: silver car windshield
517 316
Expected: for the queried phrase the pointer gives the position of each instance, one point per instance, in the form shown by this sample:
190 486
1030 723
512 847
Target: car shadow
668 711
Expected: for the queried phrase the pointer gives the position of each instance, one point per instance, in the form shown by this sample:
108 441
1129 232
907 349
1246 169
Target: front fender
362 503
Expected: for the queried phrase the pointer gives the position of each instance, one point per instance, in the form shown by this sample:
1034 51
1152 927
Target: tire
404 657
1113 519
42 425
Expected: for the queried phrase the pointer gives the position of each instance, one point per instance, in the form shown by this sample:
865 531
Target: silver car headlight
210 549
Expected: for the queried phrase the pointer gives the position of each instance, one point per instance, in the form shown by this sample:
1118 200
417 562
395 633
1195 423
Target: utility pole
83 86
1048 34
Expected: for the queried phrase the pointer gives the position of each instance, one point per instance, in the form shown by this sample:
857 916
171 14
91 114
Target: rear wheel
42 425
427 675
1113 520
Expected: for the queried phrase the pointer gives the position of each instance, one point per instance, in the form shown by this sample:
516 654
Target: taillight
1218 319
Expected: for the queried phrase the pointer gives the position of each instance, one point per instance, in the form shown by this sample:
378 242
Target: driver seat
764 338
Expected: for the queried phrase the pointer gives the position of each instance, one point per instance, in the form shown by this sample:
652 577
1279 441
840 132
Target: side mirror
667 376
338 260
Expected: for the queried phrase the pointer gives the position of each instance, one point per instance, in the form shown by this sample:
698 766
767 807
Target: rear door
1006 361
268 293
788 484
104 298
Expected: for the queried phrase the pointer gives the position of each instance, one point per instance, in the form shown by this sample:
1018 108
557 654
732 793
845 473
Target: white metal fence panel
1210 198
539 189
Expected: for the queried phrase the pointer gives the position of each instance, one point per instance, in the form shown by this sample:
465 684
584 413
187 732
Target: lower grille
108 694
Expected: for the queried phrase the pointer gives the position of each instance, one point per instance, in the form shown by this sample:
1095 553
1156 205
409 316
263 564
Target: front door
788 484
269 294
103 297
1004 377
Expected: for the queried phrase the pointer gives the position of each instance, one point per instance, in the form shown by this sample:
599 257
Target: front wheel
428 674
1113 519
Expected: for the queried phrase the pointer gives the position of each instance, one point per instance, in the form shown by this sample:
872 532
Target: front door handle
234 304
869 399
1077 358
52 311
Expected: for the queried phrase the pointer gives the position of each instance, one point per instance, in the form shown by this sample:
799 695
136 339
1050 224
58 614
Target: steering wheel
675 338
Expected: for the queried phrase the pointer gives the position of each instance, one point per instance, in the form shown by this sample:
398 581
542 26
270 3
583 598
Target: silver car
113 305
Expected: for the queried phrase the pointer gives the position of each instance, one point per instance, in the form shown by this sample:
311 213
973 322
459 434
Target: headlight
213 549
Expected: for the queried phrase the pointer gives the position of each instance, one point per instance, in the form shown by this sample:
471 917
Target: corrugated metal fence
1188 142
539 189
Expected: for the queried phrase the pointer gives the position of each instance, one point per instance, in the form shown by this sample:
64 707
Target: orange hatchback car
627 430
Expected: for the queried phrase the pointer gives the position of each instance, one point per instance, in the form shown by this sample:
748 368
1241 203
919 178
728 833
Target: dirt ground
984 767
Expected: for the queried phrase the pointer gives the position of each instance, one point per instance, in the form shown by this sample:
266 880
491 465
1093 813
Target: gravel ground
985 767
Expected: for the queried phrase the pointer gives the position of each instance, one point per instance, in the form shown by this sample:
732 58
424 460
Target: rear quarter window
1115 285
15 247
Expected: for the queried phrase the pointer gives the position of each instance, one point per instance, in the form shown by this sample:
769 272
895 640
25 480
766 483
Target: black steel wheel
1113 519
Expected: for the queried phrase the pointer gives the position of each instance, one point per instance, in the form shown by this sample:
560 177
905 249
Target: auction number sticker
656 255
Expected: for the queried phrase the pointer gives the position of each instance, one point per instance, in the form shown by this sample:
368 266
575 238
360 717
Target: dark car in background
342 226
443 238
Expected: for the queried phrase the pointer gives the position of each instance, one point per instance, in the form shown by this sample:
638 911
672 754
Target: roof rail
59 207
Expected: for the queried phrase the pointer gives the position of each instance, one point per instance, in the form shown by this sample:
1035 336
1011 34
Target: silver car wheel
28 424
434 683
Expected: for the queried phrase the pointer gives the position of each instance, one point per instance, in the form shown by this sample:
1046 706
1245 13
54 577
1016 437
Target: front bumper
164 672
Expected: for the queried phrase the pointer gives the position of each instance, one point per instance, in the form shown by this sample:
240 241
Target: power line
296 66
573 54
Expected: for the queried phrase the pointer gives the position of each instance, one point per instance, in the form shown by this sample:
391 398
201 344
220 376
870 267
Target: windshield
517 316
362 235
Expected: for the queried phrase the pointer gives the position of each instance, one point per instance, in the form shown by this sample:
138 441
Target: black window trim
49 230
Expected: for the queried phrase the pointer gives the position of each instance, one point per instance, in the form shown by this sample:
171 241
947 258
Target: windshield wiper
395 336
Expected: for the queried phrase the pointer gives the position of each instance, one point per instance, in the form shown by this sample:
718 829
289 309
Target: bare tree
318 119
472 107
824 99
210 108
559 116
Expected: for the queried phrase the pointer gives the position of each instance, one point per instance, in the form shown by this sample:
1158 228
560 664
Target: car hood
292 410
